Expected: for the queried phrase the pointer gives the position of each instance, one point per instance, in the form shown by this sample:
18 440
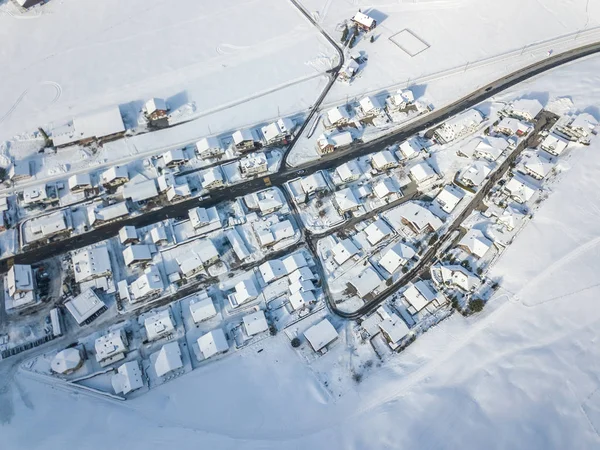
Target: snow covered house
245 291
111 347
67 361
526 109
396 256
459 126
209 147
314 182
212 343
278 132
90 263
370 106
178 192
174 158
128 235
343 251
272 270
400 100
202 307
383 160
321 335
128 378
366 282
420 295
86 307
98 214
456 276
137 254
393 328
537 167
115 176
243 140
299 300
377 231
579 128
294 262
519 189
202 217
364 21
348 70
418 218
385 188
409 149
475 174
449 197
349 171
20 282
159 325
421 172
255 323
554 145
510 126
328 143
168 359
147 285
490 148
254 164
141 191
156 109
338 116
475 243
80 182
19 170
212 178
345 201
39 195
106 124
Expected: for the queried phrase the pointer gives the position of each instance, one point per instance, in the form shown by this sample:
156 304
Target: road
544 123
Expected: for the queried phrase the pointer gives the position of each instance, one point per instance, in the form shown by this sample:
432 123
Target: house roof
80 179
338 114
527 107
475 173
128 378
456 126
422 172
114 173
539 165
344 250
300 298
383 158
301 285
212 343
66 360
243 136
340 139
419 295
459 276
369 104
156 104
377 231
449 197
394 327
476 242
385 187
97 124
84 306
149 282
366 282
136 252
272 270
174 155
301 274
520 188
321 334
245 290
349 170
208 143
409 148
513 125
212 175
363 19
396 256
294 261
345 199
313 182
91 263
584 122
140 191
419 216
255 323
20 278
554 144
109 345
159 324
202 308
168 359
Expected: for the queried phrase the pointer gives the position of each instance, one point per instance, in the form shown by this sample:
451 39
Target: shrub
295 342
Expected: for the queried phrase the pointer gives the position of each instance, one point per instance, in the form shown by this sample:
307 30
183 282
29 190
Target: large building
91 263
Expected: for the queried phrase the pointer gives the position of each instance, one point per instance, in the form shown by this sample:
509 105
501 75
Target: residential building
80 182
330 142
510 126
158 234
244 140
322 334
475 243
20 170
475 174
277 132
106 124
147 285
458 276
90 263
136 254
537 167
385 188
254 164
272 270
209 147
86 307
578 128
421 173
128 378
168 359
245 291
344 250
349 171
140 191
377 231
20 280
48 226
202 217
313 183
490 148
409 149
159 325
294 262
348 70
400 100
174 158
128 235
115 176
156 109
459 126
212 178
345 201
99 214
383 160
364 21
338 116
519 189
554 144
393 328
370 106
526 109
449 197
418 218
202 307
299 299
366 282
420 295
396 257
111 347
39 195
255 323
213 343
67 361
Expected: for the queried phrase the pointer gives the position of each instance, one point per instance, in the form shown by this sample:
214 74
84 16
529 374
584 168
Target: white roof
114 173
554 144
79 180
245 290
476 242
212 343
128 378
349 170
385 187
255 323
301 274
20 168
366 282
321 334
341 139
242 136
539 165
140 191
66 360
136 252
109 345
527 107
344 250
394 327
313 182
97 124
282 230
419 216
286 124
211 175
383 158
294 261
514 125
520 189
269 200
190 263
107 213
301 285
20 278
155 104
300 298
202 309
174 155
168 359
238 245
458 276
419 295
208 144
349 68
338 114
585 122
159 324
149 282
476 173
492 147
422 172
272 270
458 125
273 131
396 256
34 194
370 104
449 197
84 306
158 234
48 225
409 148
377 231
345 199
91 263
363 19
198 217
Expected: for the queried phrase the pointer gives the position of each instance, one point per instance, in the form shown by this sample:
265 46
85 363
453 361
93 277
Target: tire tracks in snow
58 92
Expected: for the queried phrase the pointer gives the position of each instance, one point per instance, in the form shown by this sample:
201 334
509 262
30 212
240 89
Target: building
212 178
419 295
459 126
209 147
475 174
554 144
213 343
128 235
98 214
174 158
147 285
202 307
269 201
243 140
578 128
20 279
140 191
396 256
115 176
366 282
519 189
400 100
338 116
322 334
255 323
274 233
343 251
159 325
28 3
300 275
330 142
106 124
168 359
377 231
475 243
537 167
190 265
349 171
370 106
38 195
459 277
128 378
421 172
345 201
254 164
272 270
490 148
418 218
156 109
409 149
86 307
510 126
294 262
237 244
137 254
278 132
313 183
385 188
67 361
47 227
383 160
348 70
298 300
111 347
93 262
80 182
245 291
392 327
20 170
526 109
449 197
364 21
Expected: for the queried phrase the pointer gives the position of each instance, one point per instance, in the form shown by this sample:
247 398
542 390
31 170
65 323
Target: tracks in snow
57 93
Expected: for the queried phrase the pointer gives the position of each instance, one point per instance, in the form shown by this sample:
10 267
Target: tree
295 342
352 41
2 173
372 39
345 34
476 305
479 270
433 239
